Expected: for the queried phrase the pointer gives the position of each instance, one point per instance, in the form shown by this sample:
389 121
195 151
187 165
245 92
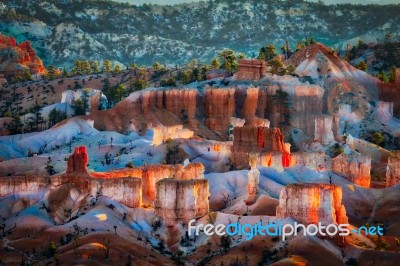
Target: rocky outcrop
77 161
181 200
251 69
323 129
312 203
393 171
15 59
219 108
126 190
261 140
355 167
22 185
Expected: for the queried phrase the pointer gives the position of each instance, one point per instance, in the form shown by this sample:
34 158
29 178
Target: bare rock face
393 171
355 167
258 140
385 111
219 107
163 133
312 203
305 104
251 69
127 190
182 103
151 175
78 160
181 200
323 129
22 185
274 159
313 160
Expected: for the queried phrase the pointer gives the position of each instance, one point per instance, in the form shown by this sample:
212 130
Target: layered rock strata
251 69
181 200
354 167
312 203
219 108
260 140
298 105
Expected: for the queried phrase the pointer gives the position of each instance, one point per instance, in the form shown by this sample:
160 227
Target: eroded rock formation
251 69
126 190
260 140
298 105
16 59
312 203
393 171
355 167
323 129
181 200
77 161
219 108
253 178
22 185
313 160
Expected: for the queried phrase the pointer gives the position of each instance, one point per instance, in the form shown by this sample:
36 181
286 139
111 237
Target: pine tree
107 66
215 63
382 76
120 92
64 73
117 69
95 67
393 75
15 126
228 59
267 53
363 66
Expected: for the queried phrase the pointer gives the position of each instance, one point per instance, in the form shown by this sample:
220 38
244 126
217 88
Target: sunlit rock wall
181 200
258 140
219 108
355 167
127 190
312 203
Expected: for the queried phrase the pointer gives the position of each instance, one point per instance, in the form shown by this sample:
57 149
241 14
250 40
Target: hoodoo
312 203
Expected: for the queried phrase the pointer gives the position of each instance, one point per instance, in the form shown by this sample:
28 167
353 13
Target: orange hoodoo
78 160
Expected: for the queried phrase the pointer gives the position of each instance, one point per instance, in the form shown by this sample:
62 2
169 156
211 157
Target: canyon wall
312 203
297 104
261 140
11 185
127 190
219 108
354 167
